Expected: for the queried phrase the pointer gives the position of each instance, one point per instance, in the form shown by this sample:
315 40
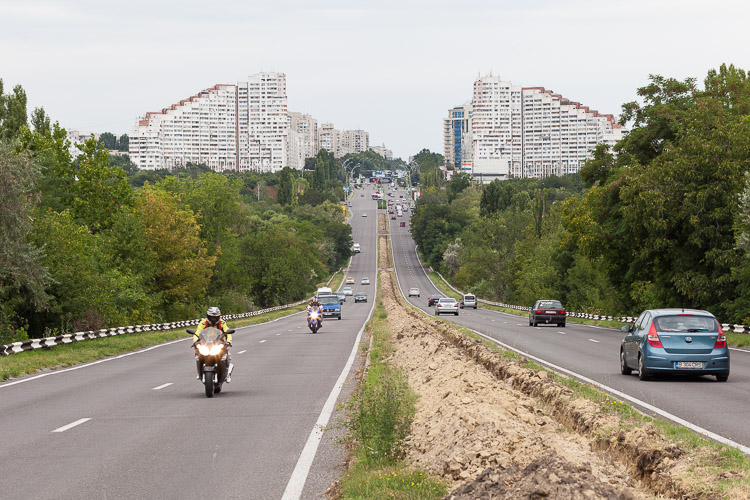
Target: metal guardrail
727 327
47 342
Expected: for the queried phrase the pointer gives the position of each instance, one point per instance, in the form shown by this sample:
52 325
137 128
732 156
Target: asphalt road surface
140 426
721 408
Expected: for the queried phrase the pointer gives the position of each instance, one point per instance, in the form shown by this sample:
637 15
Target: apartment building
226 127
515 131
353 141
307 127
328 139
455 128
382 151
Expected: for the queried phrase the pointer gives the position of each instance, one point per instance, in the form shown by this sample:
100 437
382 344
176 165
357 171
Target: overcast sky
391 67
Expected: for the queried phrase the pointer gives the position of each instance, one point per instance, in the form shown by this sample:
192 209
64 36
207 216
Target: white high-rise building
353 141
307 127
227 127
328 139
383 151
516 131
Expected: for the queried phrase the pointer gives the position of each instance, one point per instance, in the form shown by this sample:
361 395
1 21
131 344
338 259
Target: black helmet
213 315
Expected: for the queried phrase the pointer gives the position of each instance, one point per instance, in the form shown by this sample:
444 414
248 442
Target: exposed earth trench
494 428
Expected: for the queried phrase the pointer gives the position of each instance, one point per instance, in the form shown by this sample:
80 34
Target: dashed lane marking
261 341
71 425
592 340
161 386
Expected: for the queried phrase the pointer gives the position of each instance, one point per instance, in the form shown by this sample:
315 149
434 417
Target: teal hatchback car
675 341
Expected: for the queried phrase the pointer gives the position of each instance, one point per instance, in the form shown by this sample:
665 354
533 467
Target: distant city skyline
392 68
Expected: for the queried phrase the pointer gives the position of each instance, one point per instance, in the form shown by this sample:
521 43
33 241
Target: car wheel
456 313
642 373
623 366
339 317
722 378
561 325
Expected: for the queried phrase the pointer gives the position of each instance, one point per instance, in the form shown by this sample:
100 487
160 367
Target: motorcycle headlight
204 350
215 349
314 315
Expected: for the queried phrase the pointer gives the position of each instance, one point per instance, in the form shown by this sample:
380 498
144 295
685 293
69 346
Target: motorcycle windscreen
210 335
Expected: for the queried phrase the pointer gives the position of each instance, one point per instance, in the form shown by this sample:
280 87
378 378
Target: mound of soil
545 478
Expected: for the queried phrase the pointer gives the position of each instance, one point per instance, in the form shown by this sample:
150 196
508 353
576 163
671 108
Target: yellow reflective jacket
204 324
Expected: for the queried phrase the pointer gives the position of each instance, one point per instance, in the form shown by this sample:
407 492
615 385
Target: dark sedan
675 341
433 300
547 311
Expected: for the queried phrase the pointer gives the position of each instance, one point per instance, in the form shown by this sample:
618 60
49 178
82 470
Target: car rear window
550 304
444 301
469 297
686 323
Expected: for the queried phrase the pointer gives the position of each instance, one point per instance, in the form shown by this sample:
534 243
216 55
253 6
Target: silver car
347 290
446 305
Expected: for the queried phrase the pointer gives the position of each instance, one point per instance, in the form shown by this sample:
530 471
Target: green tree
123 143
286 194
457 184
41 122
108 140
22 274
100 189
173 236
16 115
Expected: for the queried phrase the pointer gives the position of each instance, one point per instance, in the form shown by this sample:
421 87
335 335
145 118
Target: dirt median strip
497 429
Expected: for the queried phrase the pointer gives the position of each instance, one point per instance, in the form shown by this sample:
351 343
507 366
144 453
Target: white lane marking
592 340
71 425
674 418
278 334
242 352
161 386
290 330
297 328
261 341
738 349
296 483
562 333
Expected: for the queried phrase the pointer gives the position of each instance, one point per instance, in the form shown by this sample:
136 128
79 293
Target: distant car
547 311
365 281
468 300
350 280
364 214
362 196
675 341
341 296
446 305
360 297
433 300
393 217
414 292
348 290
402 224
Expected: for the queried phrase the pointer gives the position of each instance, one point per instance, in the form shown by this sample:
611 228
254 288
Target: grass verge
379 417
63 356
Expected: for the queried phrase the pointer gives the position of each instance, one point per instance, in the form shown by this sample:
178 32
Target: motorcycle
211 351
314 321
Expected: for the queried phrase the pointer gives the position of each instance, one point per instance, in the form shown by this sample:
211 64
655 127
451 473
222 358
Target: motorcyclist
213 320
314 306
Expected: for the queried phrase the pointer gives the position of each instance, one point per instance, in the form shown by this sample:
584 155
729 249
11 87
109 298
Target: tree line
661 220
90 246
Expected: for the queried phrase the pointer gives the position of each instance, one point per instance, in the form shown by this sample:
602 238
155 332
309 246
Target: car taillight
562 311
440 305
721 339
539 312
653 337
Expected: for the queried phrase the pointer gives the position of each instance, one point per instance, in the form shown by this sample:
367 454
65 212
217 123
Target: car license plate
550 312
689 364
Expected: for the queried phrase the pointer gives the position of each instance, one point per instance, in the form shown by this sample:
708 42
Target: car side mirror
191 331
625 329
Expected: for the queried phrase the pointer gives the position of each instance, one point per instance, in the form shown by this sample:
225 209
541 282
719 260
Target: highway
140 426
592 352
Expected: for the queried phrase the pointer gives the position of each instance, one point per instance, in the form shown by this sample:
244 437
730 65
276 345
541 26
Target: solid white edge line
674 418
71 425
161 386
104 360
296 484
